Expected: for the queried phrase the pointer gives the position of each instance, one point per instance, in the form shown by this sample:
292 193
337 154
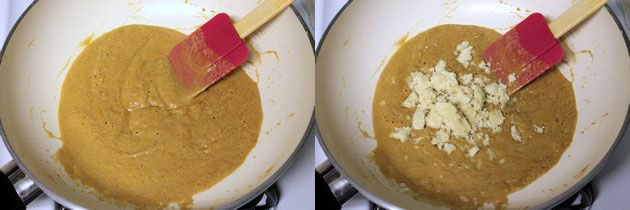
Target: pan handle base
331 187
16 187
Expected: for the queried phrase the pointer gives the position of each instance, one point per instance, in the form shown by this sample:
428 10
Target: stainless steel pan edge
235 204
547 205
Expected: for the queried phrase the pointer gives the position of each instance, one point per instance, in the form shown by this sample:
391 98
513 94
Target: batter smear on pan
130 134
449 131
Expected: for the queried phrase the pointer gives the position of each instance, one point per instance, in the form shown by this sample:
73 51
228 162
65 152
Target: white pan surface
360 42
47 39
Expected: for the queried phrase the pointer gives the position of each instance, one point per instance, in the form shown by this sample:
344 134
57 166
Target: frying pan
359 43
47 38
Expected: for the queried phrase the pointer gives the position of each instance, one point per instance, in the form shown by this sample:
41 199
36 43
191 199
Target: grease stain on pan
49 133
391 51
364 133
270 80
64 68
515 7
289 116
346 43
255 57
28 82
267 172
571 58
572 55
568 61
380 66
272 128
401 41
87 40
581 173
212 12
594 123
134 3
451 6
584 83
136 7
448 2
31 115
84 43
520 14
343 85
588 52
203 12
32 42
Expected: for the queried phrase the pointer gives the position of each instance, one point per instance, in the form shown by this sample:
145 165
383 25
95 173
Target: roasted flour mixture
128 133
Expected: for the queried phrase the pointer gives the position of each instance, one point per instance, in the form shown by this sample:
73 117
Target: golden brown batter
455 180
129 134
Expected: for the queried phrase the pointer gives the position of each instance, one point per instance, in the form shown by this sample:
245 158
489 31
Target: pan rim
232 205
545 205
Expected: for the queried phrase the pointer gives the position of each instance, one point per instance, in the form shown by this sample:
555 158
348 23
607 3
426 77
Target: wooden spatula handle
574 16
260 16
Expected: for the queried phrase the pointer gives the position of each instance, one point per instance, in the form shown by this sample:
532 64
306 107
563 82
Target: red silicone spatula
217 47
531 48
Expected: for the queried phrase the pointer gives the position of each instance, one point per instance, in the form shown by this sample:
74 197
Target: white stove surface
611 186
295 186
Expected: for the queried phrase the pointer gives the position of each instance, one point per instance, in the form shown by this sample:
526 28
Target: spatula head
208 54
525 52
